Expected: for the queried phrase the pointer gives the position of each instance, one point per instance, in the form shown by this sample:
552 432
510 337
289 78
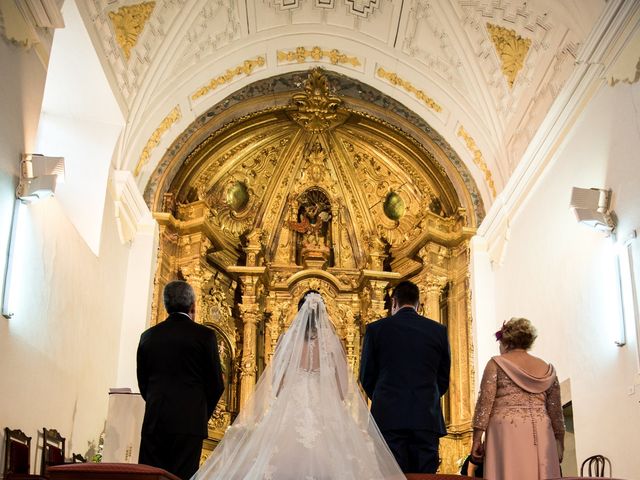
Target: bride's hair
303 298
311 329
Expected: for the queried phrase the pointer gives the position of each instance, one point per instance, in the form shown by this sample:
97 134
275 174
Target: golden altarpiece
310 189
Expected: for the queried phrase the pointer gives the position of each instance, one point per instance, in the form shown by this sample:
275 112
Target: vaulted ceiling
482 73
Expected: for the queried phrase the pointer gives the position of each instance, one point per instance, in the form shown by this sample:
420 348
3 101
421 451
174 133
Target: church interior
483 149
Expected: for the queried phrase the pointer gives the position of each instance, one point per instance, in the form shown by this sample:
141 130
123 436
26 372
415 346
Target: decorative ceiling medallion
478 159
128 23
395 80
154 140
394 206
512 50
301 54
246 68
237 196
316 107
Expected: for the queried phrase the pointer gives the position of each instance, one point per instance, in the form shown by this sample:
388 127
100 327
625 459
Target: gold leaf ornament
512 50
395 80
128 23
245 68
478 158
301 54
154 140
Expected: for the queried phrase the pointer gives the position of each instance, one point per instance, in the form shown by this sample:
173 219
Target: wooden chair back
52 449
17 453
595 466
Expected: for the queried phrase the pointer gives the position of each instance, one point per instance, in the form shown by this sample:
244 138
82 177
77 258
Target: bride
307 418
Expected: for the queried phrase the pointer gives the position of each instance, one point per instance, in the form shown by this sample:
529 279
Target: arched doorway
321 183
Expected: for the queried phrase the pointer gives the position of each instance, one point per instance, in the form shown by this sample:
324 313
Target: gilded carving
316 175
478 159
220 419
154 140
301 54
128 23
205 179
316 108
511 48
218 312
253 174
396 80
246 68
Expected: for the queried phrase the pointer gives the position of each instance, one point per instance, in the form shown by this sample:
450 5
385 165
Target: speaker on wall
591 207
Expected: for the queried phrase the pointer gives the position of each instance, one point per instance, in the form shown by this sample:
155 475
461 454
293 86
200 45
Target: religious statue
313 225
313 219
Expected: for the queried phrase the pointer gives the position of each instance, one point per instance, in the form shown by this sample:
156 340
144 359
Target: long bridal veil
307 418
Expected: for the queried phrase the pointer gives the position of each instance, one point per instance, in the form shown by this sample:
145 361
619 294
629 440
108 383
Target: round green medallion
393 206
237 196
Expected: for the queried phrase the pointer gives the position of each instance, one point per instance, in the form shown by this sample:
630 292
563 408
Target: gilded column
197 277
350 335
458 442
432 291
275 327
248 367
376 308
165 264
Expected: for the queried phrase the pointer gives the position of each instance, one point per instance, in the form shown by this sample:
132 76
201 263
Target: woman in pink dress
519 411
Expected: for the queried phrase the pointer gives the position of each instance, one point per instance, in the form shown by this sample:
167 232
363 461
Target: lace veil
307 417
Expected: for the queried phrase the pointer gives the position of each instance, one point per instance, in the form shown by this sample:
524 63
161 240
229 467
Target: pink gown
522 417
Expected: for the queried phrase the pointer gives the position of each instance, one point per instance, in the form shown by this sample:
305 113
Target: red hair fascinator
499 332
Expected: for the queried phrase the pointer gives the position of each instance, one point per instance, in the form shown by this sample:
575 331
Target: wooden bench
108 471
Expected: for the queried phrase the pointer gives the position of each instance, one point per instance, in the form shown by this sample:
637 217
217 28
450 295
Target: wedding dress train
307 419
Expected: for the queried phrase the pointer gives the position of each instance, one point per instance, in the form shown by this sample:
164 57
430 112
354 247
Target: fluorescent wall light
8 272
628 291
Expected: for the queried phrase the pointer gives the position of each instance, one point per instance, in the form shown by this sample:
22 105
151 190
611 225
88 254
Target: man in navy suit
404 370
180 379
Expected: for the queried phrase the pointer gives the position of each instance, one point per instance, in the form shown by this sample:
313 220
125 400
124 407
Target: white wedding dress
307 419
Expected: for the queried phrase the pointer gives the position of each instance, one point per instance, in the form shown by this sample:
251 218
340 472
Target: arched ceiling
482 73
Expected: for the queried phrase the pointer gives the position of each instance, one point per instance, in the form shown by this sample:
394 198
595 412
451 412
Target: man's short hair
178 297
406 293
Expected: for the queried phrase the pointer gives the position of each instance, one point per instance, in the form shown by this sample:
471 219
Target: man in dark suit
180 378
404 370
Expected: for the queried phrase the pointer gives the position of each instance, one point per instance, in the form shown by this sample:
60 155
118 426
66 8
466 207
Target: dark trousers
177 454
416 451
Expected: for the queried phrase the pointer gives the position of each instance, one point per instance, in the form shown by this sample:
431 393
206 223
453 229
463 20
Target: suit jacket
179 376
404 370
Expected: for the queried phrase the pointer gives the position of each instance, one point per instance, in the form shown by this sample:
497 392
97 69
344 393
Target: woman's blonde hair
518 333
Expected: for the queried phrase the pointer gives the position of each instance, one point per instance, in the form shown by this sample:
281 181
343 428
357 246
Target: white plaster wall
561 275
22 79
59 353
60 349
137 299
80 121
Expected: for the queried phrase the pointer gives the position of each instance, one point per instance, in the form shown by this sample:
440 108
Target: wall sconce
39 176
591 207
